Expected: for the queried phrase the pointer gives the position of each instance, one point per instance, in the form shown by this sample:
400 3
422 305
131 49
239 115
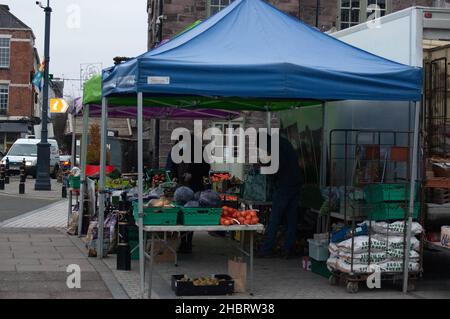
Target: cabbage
197 196
192 204
183 195
210 199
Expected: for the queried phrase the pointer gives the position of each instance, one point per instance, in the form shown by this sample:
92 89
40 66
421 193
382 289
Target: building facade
333 14
18 60
326 15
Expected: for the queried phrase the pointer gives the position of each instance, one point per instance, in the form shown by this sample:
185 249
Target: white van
26 148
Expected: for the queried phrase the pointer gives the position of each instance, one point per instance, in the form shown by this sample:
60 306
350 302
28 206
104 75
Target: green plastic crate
378 193
157 216
201 216
74 182
320 268
392 211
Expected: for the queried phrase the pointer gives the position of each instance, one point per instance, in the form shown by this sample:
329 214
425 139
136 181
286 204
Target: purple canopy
164 113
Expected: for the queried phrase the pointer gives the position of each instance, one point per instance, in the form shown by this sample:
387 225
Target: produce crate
201 216
378 193
157 215
152 172
392 211
74 182
320 268
187 288
318 249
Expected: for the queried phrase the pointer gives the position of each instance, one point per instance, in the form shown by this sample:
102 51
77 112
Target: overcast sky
85 31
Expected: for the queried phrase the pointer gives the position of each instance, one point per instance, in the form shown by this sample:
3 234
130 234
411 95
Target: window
4 52
353 12
376 8
217 5
350 13
4 92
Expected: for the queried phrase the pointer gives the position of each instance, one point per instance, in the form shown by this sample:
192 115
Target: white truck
417 36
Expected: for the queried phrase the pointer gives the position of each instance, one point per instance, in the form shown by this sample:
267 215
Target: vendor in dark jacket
190 175
287 186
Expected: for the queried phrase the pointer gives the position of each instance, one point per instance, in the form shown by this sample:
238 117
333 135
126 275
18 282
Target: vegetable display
231 216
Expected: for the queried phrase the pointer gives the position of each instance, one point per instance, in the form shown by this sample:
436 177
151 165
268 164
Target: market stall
250 56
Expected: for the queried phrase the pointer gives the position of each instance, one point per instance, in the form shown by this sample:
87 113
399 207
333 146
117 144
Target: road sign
58 106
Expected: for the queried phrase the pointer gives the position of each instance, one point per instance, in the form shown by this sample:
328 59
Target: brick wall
21 101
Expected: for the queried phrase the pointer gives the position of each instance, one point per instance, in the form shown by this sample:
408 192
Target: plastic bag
192 204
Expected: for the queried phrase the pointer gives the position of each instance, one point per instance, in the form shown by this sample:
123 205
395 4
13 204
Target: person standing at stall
191 175
285 199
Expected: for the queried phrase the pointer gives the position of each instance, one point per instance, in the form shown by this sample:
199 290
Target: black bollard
64 187
123 247
7 171
22 178
2 177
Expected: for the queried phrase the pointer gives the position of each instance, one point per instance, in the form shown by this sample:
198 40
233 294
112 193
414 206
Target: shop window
4 92
215 6
353 12
5 50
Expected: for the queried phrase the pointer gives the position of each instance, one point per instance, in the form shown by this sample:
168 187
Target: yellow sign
58 106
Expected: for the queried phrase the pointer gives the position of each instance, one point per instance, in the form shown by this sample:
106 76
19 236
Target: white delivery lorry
417 36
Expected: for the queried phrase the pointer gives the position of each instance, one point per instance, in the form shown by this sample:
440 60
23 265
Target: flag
38 78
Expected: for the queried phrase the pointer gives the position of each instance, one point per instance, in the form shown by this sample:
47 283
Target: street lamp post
43 148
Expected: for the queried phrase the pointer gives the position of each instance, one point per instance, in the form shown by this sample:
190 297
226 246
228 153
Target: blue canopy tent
252 56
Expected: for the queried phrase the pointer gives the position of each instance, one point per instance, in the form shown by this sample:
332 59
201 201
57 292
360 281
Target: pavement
35 251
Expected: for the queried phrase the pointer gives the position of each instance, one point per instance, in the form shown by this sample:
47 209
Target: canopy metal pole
101 187
415 155
323 164
140 194
83 155
269 121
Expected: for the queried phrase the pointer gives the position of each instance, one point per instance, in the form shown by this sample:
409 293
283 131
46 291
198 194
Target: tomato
254 221
241 220
253 214
227 223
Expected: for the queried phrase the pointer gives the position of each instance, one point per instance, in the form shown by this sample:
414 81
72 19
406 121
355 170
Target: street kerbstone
24 255
24 295
29 268
7 268
16 261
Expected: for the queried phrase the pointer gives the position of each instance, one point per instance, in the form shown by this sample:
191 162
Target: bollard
64 187
123 247
7 171
22 178
2 177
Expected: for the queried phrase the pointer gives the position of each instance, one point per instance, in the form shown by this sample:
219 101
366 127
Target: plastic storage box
318 249
201 216
378 193
157 216
392 211
187 288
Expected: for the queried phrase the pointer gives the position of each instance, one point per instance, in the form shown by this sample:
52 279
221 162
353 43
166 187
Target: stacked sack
386 249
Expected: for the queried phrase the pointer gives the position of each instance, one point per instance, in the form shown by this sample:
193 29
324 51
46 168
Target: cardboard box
162 252
445 236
